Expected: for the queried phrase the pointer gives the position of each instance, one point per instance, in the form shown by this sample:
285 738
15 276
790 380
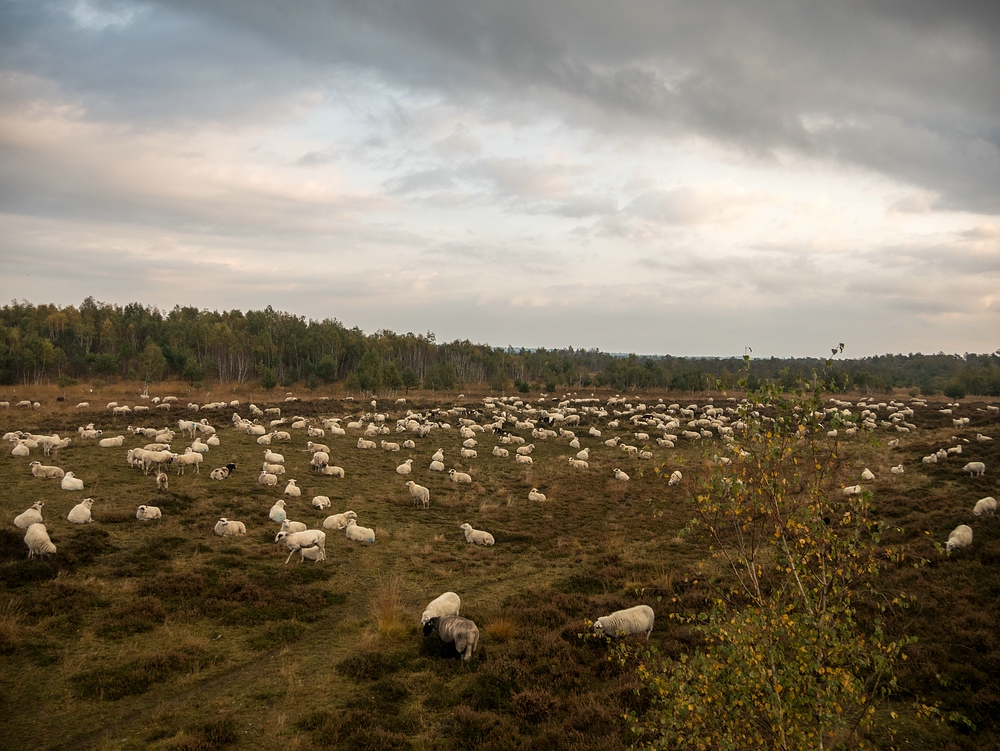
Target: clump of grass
387 608
10 624
500 628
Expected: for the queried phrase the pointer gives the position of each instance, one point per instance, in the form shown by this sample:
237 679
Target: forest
102 342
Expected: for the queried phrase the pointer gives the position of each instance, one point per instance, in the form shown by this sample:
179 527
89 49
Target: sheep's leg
291 554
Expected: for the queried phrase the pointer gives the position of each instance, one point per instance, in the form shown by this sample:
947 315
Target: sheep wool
477 536
359 534
277 512
636 620
31 516
81 512
145 513
984 506
38 542
454 629
70 482
226 528
960 537
339 521
447 604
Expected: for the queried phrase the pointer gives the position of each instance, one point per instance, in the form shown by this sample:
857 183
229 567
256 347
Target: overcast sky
654 177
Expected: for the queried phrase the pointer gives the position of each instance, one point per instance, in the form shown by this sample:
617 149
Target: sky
660 177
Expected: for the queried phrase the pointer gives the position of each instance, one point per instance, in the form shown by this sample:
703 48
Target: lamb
108 443
984 506
40 470
619 475
636 620
266 478
145 513
389 446
289 526
447 604
535 495
960 537
71 482
461 477
38 541
80 513
339 521
975 469
454 629
277 512
675 477
321 502
359 534
477 536
404 468
502 453
331 471
296 541
436 466
292 490
31 516
420 494
226 528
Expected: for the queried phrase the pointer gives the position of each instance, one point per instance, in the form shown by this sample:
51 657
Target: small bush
132 678
208 736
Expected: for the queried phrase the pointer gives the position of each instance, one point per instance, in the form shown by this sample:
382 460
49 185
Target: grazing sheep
289 526
897 470
975 469
637 620
454 629
162 482
535 495
675 477
421 495
404 468
81 512
40 470
436 466
477 536
226 528
867 475
331 471
339 521
359 534
984 506
277 512
447 604
459 477
71 482
321 502
960 537
296 541
145 513
619 475
292 490
31 516
37 540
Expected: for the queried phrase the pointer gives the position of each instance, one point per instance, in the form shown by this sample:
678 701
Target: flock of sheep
658 426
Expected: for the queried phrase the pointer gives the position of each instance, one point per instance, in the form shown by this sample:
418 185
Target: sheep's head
430 626
599 628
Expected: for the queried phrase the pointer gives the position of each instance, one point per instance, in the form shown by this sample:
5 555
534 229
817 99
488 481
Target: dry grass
387 608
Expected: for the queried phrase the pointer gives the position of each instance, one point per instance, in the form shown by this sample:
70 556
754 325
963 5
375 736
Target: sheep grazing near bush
477 536
31 516
71 482
975 469
296 541
37 539
960 537
339 521
421 495
358 533
637 620
145 513
447 604
81 512
985 506
456 630
226 528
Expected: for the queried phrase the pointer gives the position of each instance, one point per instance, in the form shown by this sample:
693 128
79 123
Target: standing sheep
420 494
637 620
975 469
38 541
296 541
960 537
985 506
454 629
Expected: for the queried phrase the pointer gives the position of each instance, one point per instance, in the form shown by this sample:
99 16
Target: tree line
101 341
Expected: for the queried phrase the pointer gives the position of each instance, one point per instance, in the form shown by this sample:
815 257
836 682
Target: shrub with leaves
784 660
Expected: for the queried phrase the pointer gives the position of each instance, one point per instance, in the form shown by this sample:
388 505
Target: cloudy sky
655 176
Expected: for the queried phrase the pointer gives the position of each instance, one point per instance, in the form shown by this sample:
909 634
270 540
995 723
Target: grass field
161 635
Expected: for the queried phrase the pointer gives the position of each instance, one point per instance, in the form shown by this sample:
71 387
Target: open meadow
161 635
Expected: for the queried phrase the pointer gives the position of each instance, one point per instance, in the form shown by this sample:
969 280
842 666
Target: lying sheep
71 482
272 458
81 512
38 541
222 473
535 495
289 526
107 443
292 490
454 629
339 521
984 506
675 477
523 459
852 490
502 453
296 541
619 475
20 449
145 513
50 473
469 453
321 502
477 536
331 471
636 620
460 477
31 516
226 528
404 468
960 537
975 469
359 534
277 512
447 604
438 456
421 495
897 470
436 466
266 478
578 463
867 475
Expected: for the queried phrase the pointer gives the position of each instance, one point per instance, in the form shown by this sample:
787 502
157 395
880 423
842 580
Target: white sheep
578 463
226 528
339 521
897 470
20 449
145 513
296 541
983 438
108 443
985 506
438 456
40 470
975 469
319 460
461 477
619 475
436 466
277 512
331 471
292 490
272 458
31 516
960 537
469 453
635 620
523 459
447 604
71 482
38 541
867 475
675 477
315 447
81 512
289 526
421 495
502 453
266 478
526 449
321 502
189 459
852 490
454 629
404 468
359 534
477 536
535 495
